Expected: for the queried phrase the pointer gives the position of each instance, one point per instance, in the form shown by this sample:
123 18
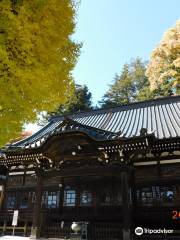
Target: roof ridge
143 102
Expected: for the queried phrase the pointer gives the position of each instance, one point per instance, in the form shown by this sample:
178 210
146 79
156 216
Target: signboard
15 218
62 224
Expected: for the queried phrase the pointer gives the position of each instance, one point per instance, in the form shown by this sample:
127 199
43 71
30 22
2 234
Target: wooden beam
107 170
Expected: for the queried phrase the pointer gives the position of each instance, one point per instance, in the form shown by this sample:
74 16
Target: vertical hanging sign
15 218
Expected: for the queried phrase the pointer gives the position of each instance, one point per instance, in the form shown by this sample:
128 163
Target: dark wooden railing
95 231
24 222
105 222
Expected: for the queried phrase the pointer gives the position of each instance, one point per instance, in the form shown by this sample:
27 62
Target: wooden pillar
177 196
133 187
36 226
24 177
125 205
61 198
3 180
25 228
95 201
4 226
1 196
78 199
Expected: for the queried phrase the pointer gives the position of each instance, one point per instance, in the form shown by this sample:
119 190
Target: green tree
163 70
129 86
79 101
37 55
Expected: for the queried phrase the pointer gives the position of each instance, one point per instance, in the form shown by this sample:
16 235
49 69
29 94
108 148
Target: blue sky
115 31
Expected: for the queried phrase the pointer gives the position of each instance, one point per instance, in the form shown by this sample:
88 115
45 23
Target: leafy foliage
37 55
129 86
163 70
80 101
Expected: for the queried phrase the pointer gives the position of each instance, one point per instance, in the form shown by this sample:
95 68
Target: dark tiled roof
159 116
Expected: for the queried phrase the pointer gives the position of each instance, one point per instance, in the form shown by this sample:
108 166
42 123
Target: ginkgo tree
163 70
37 55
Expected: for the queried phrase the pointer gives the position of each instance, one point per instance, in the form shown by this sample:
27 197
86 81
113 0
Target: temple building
110 170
